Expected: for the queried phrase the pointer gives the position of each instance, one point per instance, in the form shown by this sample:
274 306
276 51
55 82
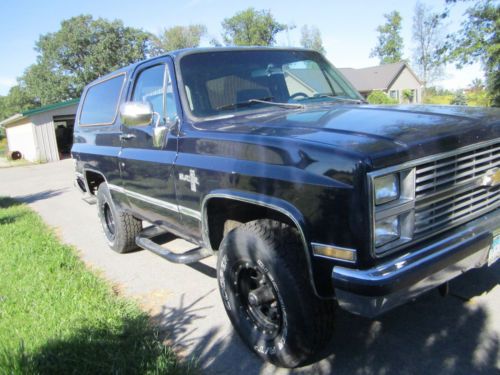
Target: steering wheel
299 94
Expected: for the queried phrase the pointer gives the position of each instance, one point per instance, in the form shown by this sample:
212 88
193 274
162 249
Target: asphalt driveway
459 334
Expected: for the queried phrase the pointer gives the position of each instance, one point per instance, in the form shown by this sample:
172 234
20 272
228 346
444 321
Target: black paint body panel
315 159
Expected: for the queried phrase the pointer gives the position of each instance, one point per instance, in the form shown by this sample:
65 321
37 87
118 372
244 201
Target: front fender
272 203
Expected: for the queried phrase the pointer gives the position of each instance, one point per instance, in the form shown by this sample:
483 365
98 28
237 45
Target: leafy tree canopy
311 38
81 51
179 37
389 47
17 100
251 27
478 40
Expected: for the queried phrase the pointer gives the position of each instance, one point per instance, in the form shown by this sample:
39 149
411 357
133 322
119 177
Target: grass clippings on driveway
56 317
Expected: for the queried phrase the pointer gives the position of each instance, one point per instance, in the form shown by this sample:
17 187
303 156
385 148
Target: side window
149 88
100 105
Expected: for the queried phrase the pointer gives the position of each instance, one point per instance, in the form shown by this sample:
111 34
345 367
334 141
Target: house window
394 94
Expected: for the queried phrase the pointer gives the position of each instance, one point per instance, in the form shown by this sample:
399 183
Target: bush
3 147
438 99
380 97
478 98
407 96
459 99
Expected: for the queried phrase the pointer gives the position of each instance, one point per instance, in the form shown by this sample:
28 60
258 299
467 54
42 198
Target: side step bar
144 240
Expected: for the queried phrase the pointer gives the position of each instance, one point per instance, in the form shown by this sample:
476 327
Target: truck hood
387 135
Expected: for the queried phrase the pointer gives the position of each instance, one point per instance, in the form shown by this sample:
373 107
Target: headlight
386 188
393 208
387 230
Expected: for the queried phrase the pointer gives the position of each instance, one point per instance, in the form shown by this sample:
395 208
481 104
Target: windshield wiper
246 103
284 105
341 98
250 102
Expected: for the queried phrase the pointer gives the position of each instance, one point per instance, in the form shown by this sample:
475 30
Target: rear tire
119 227
267 293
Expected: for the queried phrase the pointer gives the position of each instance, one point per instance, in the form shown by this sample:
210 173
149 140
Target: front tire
120 228
267 293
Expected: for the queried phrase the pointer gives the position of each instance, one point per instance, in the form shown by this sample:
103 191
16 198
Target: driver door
148 152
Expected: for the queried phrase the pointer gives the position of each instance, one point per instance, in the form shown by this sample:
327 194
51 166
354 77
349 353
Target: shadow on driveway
47 194
431 335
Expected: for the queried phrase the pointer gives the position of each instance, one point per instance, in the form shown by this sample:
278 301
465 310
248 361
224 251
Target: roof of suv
177 54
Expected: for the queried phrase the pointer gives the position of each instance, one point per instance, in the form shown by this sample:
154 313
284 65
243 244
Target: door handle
127 136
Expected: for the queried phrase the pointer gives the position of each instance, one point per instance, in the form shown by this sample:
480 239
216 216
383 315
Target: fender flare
276 204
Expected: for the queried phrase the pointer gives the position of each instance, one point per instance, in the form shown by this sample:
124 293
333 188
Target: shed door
63 126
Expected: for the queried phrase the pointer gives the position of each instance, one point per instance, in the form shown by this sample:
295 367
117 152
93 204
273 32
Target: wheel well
223 215
94 179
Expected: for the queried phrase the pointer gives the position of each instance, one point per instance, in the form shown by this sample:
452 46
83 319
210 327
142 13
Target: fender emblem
191 177
491 178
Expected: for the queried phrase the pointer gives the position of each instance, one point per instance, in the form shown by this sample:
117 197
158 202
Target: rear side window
100 105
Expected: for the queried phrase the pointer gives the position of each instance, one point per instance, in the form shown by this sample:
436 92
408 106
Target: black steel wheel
258 298
267 293
109 220
119 227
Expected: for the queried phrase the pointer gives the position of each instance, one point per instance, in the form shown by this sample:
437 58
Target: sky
347 26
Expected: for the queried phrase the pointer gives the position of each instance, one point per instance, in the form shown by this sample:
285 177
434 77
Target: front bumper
376 290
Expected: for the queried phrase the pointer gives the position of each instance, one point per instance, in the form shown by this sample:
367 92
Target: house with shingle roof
392 79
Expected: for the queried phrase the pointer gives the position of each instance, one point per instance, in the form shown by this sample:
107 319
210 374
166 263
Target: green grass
56 317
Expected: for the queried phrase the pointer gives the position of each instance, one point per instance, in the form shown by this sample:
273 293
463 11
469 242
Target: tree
459 98
478 40
17 100
81 51
3 108
389 47
251 27
49 86
179 37
311 38
476 85
428 32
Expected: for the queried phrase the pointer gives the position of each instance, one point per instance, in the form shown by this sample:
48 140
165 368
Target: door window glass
171 106
149 88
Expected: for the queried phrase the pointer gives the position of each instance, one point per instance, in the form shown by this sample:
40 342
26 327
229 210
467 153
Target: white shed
42 134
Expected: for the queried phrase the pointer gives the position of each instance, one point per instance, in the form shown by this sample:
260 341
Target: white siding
407 81
45 135
20 138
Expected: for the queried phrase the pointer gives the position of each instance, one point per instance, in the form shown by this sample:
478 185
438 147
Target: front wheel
267 293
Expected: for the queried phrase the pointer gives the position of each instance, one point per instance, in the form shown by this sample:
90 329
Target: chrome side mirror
136 113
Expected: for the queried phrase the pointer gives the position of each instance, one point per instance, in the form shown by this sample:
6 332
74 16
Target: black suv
310 197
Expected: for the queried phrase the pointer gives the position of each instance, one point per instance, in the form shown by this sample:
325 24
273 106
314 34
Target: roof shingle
374 77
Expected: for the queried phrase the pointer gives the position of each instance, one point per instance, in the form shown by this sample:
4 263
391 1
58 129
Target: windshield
225 82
